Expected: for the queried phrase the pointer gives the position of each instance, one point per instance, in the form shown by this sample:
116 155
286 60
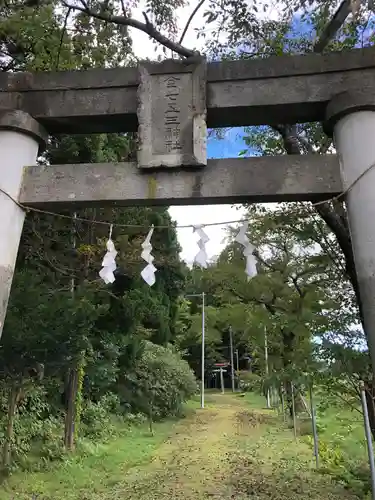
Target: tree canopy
78 341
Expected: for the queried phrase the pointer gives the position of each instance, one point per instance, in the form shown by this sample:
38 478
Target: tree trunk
288 344
288 398
335 217
70 409
9 433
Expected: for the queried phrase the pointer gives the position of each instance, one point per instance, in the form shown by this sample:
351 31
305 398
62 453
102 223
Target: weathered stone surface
238 180
282 89
346 103
19 121
171 115
243 69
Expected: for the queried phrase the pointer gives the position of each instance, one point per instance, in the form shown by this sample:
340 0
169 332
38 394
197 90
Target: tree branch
300 292
191 17
147 27
262 261
333 219
290 138
325 146
63 31
304 142
330 30
325 244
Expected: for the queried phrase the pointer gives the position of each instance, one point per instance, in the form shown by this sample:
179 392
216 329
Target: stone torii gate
170 102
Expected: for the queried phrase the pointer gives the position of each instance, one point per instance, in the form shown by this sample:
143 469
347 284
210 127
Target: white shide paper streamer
109 261
201 257
148 273
242 239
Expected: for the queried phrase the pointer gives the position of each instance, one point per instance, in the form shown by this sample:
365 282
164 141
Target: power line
109 223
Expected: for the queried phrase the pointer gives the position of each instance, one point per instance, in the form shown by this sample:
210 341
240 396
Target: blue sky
229 146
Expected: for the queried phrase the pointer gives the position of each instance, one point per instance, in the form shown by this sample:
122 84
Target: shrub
53 447
160 382
135 418
352 473
96 417
36 432
250 382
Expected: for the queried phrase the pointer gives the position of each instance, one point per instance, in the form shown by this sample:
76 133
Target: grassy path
226 451
193 464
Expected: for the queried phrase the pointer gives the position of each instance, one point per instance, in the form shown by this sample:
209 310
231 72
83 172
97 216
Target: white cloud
208 214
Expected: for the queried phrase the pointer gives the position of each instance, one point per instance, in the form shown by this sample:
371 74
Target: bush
135 418
53 447
96 417
161 381
37 434
354 474
250 382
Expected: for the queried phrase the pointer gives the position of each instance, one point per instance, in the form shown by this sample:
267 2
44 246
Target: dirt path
226 451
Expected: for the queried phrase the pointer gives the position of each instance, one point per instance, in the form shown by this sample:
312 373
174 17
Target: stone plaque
172 114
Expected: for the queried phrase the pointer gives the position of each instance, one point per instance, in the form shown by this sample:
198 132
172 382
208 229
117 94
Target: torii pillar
350 117
20 139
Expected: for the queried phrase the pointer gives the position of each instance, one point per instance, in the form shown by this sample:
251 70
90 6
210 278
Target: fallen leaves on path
225 452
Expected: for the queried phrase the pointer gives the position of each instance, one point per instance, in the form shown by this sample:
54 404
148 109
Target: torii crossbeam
170 103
